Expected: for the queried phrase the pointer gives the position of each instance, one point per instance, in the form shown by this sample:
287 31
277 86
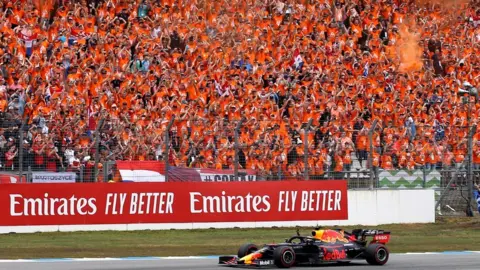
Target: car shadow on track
330 265
315 266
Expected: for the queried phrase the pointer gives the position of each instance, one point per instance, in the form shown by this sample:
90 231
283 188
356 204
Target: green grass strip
447 234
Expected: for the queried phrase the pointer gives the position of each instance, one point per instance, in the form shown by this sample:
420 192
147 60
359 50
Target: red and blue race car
324 246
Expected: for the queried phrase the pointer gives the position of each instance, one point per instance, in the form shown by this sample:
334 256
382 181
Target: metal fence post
236 145
305 150
424 173
167 146
370 156
471 132
81 174
20 150
106 168
29 174
97 149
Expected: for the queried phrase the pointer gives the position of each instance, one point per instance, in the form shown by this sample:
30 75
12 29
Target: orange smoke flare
444 3
44 5
408 49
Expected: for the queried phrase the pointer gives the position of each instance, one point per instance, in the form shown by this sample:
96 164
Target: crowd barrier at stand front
187 205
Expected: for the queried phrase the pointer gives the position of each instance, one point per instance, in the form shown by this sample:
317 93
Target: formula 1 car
324 246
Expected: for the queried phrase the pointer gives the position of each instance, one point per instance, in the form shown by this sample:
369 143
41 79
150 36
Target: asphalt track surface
397 261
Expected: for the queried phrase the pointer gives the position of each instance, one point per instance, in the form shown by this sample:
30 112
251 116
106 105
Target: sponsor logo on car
265 262
335 254
330 236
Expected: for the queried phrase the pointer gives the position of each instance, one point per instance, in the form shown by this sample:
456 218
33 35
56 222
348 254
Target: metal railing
297 149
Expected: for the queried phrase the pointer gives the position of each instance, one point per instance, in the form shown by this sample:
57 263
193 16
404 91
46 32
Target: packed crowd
131 65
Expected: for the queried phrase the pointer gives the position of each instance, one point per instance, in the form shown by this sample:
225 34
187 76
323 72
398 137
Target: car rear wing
374 232
379 236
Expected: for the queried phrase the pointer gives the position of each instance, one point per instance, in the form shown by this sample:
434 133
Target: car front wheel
284 257
246 249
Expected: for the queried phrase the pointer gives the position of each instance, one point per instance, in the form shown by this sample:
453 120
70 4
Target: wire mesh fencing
36 147
368 155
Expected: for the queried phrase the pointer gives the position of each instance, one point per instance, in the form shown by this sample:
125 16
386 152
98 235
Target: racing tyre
377 254
284 257
246 249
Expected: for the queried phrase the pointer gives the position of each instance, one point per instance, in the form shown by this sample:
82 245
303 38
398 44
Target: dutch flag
297 59
48 95
365 70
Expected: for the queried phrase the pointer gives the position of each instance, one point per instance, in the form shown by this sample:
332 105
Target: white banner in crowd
212 175
53 177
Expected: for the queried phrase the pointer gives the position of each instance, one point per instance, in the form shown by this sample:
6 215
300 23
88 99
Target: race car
324 246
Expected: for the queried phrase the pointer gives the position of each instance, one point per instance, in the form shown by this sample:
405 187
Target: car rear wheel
377 254
284 257
246 249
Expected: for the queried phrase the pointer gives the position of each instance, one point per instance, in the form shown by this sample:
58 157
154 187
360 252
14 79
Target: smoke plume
408 48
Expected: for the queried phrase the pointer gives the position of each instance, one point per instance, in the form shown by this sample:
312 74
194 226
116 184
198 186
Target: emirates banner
171 202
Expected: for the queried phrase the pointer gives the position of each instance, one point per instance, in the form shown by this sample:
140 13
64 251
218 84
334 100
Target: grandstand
88 82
